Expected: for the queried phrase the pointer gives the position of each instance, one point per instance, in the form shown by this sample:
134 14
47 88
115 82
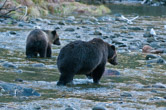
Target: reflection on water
142 10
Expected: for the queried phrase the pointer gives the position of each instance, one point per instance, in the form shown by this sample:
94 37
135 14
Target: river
140 85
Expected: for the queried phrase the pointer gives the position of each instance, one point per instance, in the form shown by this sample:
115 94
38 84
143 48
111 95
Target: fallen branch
9 10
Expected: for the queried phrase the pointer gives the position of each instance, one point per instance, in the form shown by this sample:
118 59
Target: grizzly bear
88 58
39 42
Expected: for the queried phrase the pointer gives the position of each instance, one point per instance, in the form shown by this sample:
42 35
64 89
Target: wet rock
97 33
118 42
135 28
125 94
164 97
70 29
133 48
9 65
61 23
149 66
69 108
105 18
155 44
12 32
147 35
150 39
18 71
151 56
37 107
18 80
157 60
15 90
38 65
71 18
110 72
87 22
105 37
98 108
158 86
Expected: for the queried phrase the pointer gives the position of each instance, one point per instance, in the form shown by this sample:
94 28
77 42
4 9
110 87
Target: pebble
98 108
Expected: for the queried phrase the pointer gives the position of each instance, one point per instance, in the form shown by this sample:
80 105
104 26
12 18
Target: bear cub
88 58
39 42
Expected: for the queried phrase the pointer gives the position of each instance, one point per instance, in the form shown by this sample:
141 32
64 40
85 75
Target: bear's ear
54 32
113 47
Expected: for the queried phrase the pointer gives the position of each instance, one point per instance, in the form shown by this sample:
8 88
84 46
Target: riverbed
140 84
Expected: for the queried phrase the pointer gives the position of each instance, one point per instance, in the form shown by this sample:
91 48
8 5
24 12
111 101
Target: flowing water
137 87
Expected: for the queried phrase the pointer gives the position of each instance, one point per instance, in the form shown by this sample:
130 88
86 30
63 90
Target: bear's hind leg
97 73
42 52
30 53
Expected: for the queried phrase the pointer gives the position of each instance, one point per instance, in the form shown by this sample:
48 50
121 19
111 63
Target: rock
87 22
118 42
157 60
12 32
155 44
133 48
149 66
18 71
125 94
61 23
105 37
110 72
164 97
15 90
147 49
18 80
151 56
105 18
70 29
158 86
150 39
98 108
71 18
38 65
69 108
135 28
9 65
97 33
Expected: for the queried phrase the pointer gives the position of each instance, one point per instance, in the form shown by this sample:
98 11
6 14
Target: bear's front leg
64 79
49 52
97 73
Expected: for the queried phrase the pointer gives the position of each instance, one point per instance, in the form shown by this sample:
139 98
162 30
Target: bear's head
112 55
55 38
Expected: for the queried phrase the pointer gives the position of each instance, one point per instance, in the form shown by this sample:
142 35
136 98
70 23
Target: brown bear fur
39 42
88 58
